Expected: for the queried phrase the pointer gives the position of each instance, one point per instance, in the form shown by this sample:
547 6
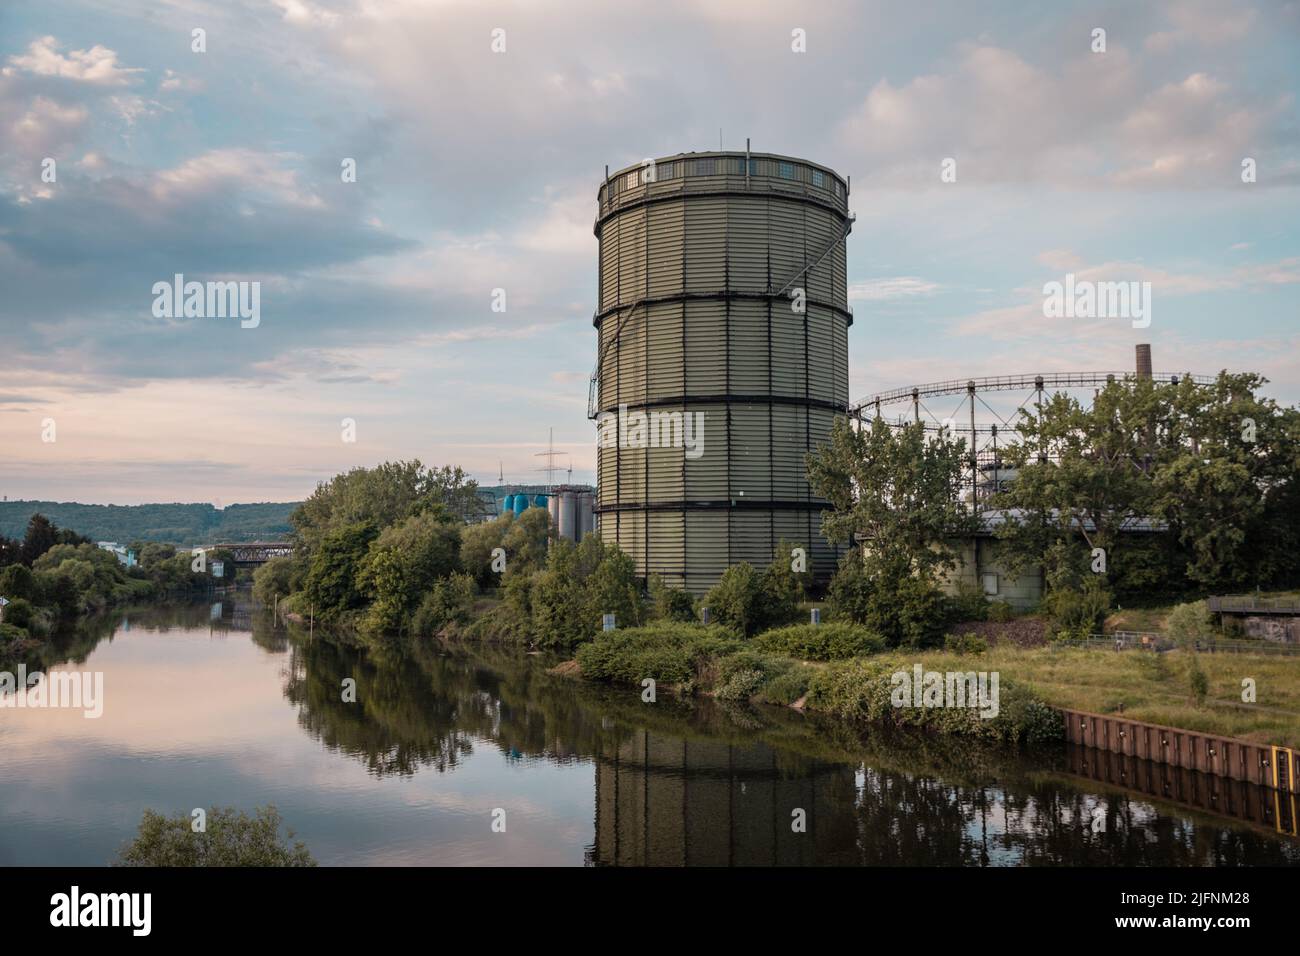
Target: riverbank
1033 682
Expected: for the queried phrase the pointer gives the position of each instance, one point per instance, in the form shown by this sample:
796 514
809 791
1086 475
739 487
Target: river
213 705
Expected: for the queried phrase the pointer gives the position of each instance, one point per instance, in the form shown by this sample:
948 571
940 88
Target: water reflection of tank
665 801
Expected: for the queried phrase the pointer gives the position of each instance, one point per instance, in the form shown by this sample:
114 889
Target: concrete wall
976 560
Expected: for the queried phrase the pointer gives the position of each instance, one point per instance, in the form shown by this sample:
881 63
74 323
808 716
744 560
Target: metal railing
1244 604
1155 641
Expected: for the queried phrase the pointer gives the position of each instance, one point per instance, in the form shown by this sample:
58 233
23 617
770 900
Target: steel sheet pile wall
692 318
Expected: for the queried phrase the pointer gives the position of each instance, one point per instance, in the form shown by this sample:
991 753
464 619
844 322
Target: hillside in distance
179 524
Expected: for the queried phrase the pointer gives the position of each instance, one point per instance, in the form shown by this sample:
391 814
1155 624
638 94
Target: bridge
254 552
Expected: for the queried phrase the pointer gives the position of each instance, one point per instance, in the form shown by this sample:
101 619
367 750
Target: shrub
861 689
824 642
1001 612
1190 623
967 604
273 579
450 601
19 613
670 604
751 601
965 644
1077 612
849 594
668 653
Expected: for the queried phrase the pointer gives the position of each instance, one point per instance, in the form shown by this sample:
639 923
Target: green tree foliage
750 600
1208 473
381 496
895 491
330 585
230 838
579 586
669 603
182 524
42 534
17 581
450 600
274 580
526 540
403 563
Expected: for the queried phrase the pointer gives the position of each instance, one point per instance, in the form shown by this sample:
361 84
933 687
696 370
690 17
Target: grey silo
699 253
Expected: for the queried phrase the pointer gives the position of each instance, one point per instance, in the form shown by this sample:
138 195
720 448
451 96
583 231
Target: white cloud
98 65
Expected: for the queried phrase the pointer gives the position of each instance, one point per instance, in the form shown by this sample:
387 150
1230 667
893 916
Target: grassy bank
837 669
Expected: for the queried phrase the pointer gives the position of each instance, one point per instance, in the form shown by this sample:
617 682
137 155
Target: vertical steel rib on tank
699 256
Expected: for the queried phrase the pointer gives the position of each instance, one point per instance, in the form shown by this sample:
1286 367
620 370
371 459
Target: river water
211 705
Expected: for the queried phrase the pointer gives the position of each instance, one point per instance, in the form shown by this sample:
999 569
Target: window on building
787 170
753 167
632 178
705 167
819 178
990 584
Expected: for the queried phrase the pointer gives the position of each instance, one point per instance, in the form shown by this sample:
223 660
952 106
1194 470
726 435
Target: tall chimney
1144 361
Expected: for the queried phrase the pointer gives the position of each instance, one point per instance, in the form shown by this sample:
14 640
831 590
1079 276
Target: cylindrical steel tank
508 505
521 503
586 522
568 525
539 501
553 509
723 320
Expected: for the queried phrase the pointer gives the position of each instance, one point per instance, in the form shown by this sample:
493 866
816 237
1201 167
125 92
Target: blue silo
508 505
539 501
521 502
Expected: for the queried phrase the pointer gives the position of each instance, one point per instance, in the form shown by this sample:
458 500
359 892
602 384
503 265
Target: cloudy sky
477 170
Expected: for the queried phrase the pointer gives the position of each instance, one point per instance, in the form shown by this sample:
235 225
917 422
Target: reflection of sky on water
200 716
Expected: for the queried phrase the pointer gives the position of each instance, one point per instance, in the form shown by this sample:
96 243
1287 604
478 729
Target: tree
42 534
403 563
1168 484
894 489
893 493
330 585
381 496
229 838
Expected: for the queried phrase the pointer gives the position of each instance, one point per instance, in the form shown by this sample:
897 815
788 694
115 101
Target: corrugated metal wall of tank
765 378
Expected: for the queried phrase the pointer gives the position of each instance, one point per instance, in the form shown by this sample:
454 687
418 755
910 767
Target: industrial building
722 323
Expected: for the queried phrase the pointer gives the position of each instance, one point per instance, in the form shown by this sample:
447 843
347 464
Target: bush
669 653
967 604
1190 623
1077 612
905 608
965 644
230 838
849 594
670 604
750 601
273 580
450 601
1001 612
822 642
861 689
19 613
